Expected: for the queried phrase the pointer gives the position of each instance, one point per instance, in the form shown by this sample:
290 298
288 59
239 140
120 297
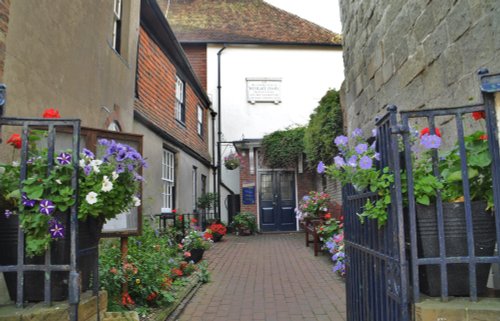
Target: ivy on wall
325 123
283 147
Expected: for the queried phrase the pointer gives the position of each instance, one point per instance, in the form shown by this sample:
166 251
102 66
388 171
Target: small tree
325 123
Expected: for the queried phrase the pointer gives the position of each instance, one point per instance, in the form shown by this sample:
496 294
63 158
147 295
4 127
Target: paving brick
267 277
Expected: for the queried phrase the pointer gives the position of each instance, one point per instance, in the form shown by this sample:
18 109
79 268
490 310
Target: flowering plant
218 228
356 166
108 185
232 161
196 240
335 246
313 205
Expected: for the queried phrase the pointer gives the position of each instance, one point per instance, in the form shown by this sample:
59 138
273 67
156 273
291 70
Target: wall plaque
263 90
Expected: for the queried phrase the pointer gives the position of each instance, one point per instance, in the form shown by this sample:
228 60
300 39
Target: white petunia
91 198
15 164
96 162
115 175
2 170
96 169
82 163
106 184
58 181
137 201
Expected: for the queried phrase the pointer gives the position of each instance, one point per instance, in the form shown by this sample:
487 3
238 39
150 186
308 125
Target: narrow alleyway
271 277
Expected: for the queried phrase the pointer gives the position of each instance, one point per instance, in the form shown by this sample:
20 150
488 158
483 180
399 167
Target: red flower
194 221
427 131
328 216
477 115
113 270
180 246
217 228
51 113
15 140
177 272
208 236
181 218
152 296
483 137
126 299
187 254
174 211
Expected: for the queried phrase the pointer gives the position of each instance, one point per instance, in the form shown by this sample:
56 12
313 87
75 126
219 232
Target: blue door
277 201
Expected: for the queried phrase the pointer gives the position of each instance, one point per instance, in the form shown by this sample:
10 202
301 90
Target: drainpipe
214 166
219 133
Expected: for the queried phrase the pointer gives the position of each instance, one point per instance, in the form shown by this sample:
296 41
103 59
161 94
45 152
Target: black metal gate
379 260
377 270
48 125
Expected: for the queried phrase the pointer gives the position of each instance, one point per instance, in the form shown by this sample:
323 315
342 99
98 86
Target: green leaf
424 200
34 191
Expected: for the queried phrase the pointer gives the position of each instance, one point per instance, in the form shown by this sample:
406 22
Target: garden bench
311 228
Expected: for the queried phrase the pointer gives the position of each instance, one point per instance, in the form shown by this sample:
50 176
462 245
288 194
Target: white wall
306 76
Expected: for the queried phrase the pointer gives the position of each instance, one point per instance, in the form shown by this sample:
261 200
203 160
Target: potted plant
313 206
205 203
218 230
356 165
232 161
244 223
108 185
195 243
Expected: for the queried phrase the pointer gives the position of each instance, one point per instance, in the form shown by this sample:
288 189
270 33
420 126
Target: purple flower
352 161
47 207
119 169
338 255
64 158
138 177
8 213
361 148
130 167
103 142
365 162
430 141
321 168
374 132
341 140
339 161
88 153
377 156
56 229
87 169
121 155
26 201
357 132
373 145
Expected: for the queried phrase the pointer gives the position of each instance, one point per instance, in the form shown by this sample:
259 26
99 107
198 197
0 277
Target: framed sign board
262 90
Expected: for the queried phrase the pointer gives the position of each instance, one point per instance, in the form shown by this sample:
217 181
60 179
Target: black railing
47 268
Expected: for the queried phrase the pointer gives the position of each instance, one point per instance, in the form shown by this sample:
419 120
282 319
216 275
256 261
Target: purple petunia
64 158
352 161
361 148
8 213
26 201
338 255
374 132
365 162
321 167
87 169
341 140
138 177
430 141
377 156
357 132
121 155
339 161
119 169
56 229
47 207
88 153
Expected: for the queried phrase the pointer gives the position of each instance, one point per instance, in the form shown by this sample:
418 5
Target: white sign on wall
263 90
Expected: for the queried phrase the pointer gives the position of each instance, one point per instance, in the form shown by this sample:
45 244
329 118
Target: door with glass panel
277 201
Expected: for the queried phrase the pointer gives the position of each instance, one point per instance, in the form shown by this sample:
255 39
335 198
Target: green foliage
245 221
195 240
283 147
329 228
325 123
155 268
206 201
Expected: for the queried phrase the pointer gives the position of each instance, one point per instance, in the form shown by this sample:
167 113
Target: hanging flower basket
232 161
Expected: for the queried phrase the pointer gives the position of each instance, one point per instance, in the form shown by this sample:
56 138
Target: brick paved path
271 277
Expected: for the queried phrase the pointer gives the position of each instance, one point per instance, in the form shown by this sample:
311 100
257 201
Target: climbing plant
325 123
283 147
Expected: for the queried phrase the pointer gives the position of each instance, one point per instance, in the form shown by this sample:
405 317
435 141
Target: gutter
219 131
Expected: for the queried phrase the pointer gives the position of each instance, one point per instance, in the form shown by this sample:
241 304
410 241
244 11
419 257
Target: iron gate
378 285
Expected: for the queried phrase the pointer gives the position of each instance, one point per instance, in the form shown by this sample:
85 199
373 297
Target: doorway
277 201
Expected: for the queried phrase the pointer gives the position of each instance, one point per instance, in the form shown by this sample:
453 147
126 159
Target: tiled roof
241 21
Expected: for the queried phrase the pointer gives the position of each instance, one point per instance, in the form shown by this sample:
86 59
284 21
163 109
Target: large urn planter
456 245
196 255
89 235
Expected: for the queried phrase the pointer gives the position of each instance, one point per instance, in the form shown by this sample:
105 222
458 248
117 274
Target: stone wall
415 54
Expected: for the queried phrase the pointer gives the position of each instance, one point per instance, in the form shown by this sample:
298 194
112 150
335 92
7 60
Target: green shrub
325 123
245 221
283 147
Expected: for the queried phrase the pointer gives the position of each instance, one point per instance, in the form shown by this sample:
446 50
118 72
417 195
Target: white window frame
199 120
117 17
179 100
168 180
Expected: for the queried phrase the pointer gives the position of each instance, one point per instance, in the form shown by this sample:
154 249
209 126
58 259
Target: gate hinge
399 129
